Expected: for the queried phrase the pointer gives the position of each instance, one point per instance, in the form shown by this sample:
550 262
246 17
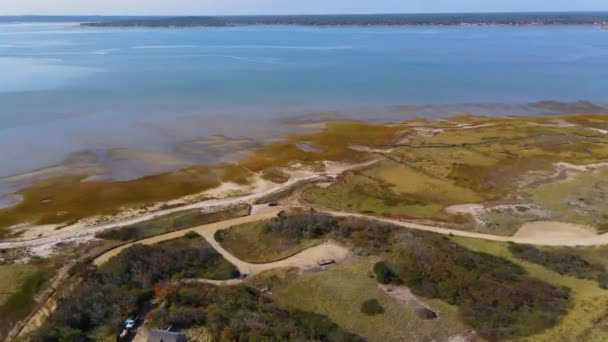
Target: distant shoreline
474 19
599 19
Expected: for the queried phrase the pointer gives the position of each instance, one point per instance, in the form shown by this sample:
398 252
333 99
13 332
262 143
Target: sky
218 7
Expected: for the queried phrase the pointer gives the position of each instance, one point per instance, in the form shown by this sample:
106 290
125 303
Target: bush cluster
372 307
370 236
562 263
301 226
239 313
494 295
384 275
123 287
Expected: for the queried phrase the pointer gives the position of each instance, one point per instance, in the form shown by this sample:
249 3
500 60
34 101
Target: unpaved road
78 232
545 233
305 259
537 233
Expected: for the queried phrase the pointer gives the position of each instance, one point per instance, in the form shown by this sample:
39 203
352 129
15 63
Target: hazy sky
202 7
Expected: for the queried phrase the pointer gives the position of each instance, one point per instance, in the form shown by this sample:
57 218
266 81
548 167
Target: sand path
78 233
548 233
542 233
305 259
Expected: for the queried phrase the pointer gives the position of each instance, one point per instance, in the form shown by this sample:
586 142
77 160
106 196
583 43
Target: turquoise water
64 88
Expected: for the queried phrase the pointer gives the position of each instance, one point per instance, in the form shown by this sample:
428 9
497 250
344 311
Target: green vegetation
432 165
239 313
354 192
289 234
494 295
172 222
18 286
562 263
588 302
384 275
301 226
428 189
124 286
580 198
440 165
372 307
338 293
252 243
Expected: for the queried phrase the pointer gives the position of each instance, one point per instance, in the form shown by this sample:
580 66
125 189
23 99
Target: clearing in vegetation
291 233
581 198
339 293
251 242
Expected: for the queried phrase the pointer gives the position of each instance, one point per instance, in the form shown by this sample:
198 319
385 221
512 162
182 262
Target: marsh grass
70 198
454 166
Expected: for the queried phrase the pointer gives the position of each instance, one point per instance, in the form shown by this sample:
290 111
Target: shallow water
64 88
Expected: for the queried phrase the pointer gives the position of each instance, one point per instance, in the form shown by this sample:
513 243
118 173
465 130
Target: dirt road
304 259
545 233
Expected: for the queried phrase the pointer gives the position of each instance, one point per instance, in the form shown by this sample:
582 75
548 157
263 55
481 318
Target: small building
166 336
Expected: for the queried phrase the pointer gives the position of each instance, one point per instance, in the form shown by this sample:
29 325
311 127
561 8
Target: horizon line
304 14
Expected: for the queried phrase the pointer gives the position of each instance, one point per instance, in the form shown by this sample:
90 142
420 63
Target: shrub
602 280
192 235
494 295
124 286
309 225
372 307
384 275
240 313
561 262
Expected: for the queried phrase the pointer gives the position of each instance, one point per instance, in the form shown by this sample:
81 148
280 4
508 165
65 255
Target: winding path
573 236
305 259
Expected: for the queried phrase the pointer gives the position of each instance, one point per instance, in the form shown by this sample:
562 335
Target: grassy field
589 302
359 193
406 180
249 242
339 293
18 285
580 198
